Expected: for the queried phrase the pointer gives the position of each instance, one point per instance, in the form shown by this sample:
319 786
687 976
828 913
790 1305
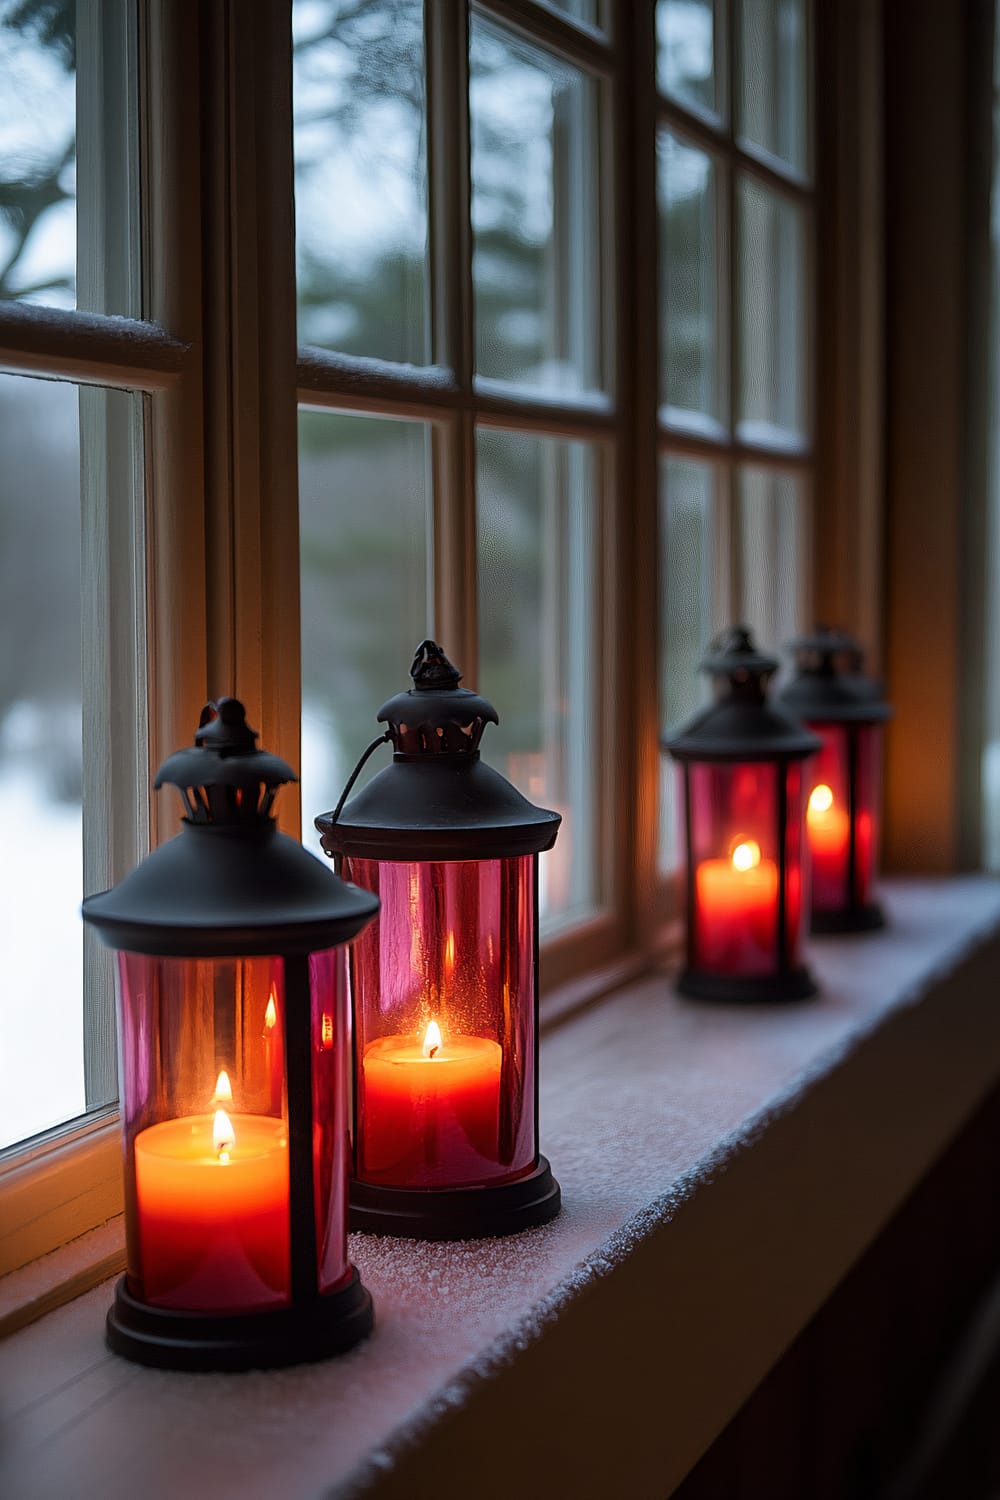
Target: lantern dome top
224 779
740 724
436 716
229 884
437 800
829 686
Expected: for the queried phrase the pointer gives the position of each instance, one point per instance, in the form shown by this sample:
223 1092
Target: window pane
38 153
774 385
363 506
773 70
690 518
41 873
534 199
360 177
537 529
685 52
772 548
691 318
580 10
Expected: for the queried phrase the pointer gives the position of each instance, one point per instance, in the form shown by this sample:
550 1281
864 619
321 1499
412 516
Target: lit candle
430 1109
736 903
828 829
274 1061
212 1209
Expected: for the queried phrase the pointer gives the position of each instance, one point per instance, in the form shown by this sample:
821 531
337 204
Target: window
736 211
421 292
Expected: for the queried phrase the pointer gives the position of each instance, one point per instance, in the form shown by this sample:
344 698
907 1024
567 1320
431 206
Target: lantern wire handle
380 740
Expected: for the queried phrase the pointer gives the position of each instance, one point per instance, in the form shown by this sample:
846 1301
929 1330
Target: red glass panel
331 1082
736 865
868 796
205 1132
828 819
444 1006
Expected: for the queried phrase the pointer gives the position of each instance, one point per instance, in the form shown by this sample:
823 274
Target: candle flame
223 1135
432 1039
223 1089
270 1014
746 855
820 799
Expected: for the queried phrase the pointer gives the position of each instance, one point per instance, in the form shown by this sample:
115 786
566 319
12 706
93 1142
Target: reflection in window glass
534 197
363 515
690 278
772 314
41 873
772 547
38 153
689 521
538 646
773 70
360 177
685 52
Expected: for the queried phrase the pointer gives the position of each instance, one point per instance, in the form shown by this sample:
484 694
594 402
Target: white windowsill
721 1169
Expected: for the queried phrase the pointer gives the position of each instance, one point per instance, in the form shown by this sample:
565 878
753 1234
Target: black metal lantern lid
741 724
437 800
828 687
229 884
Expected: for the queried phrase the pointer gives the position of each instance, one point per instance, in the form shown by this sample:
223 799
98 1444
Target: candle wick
224 1156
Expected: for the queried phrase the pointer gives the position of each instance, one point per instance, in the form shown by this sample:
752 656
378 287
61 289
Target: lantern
741 765
847 711
234 1068
445 985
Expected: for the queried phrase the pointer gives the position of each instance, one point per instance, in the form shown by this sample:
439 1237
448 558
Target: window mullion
453 330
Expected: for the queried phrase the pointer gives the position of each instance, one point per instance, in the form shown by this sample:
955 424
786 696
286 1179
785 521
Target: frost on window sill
721 1169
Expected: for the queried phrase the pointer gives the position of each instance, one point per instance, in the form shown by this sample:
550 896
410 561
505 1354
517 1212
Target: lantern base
456 1213
172 1339
849 919
792 984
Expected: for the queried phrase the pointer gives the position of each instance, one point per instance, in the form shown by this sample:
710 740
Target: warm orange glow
270 1014
223 1089
820 799
432 1040
449 952
745 855
223 1135
326 1031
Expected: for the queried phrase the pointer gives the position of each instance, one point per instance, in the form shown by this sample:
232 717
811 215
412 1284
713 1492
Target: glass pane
771 292
773 106
361 177
538 642
38 152
364 524
41 873
691 316
772 543
685 52
534 214
688 525
580 10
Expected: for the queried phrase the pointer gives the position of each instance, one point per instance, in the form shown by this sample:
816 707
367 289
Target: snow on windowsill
669 1125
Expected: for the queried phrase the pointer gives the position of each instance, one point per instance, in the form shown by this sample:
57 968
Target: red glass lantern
445 984
234 1076
843 807
741 766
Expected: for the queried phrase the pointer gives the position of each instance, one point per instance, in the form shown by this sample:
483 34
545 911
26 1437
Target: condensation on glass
205 1128
361 177
772 96
692 275
540 645
41 758
687 54
773 530
364 499
444 1006
773 385
689 526
535 187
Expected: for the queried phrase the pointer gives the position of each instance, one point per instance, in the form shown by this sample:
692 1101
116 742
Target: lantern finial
431 669
223 727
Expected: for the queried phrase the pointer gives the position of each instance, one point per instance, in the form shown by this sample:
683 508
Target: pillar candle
736 911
